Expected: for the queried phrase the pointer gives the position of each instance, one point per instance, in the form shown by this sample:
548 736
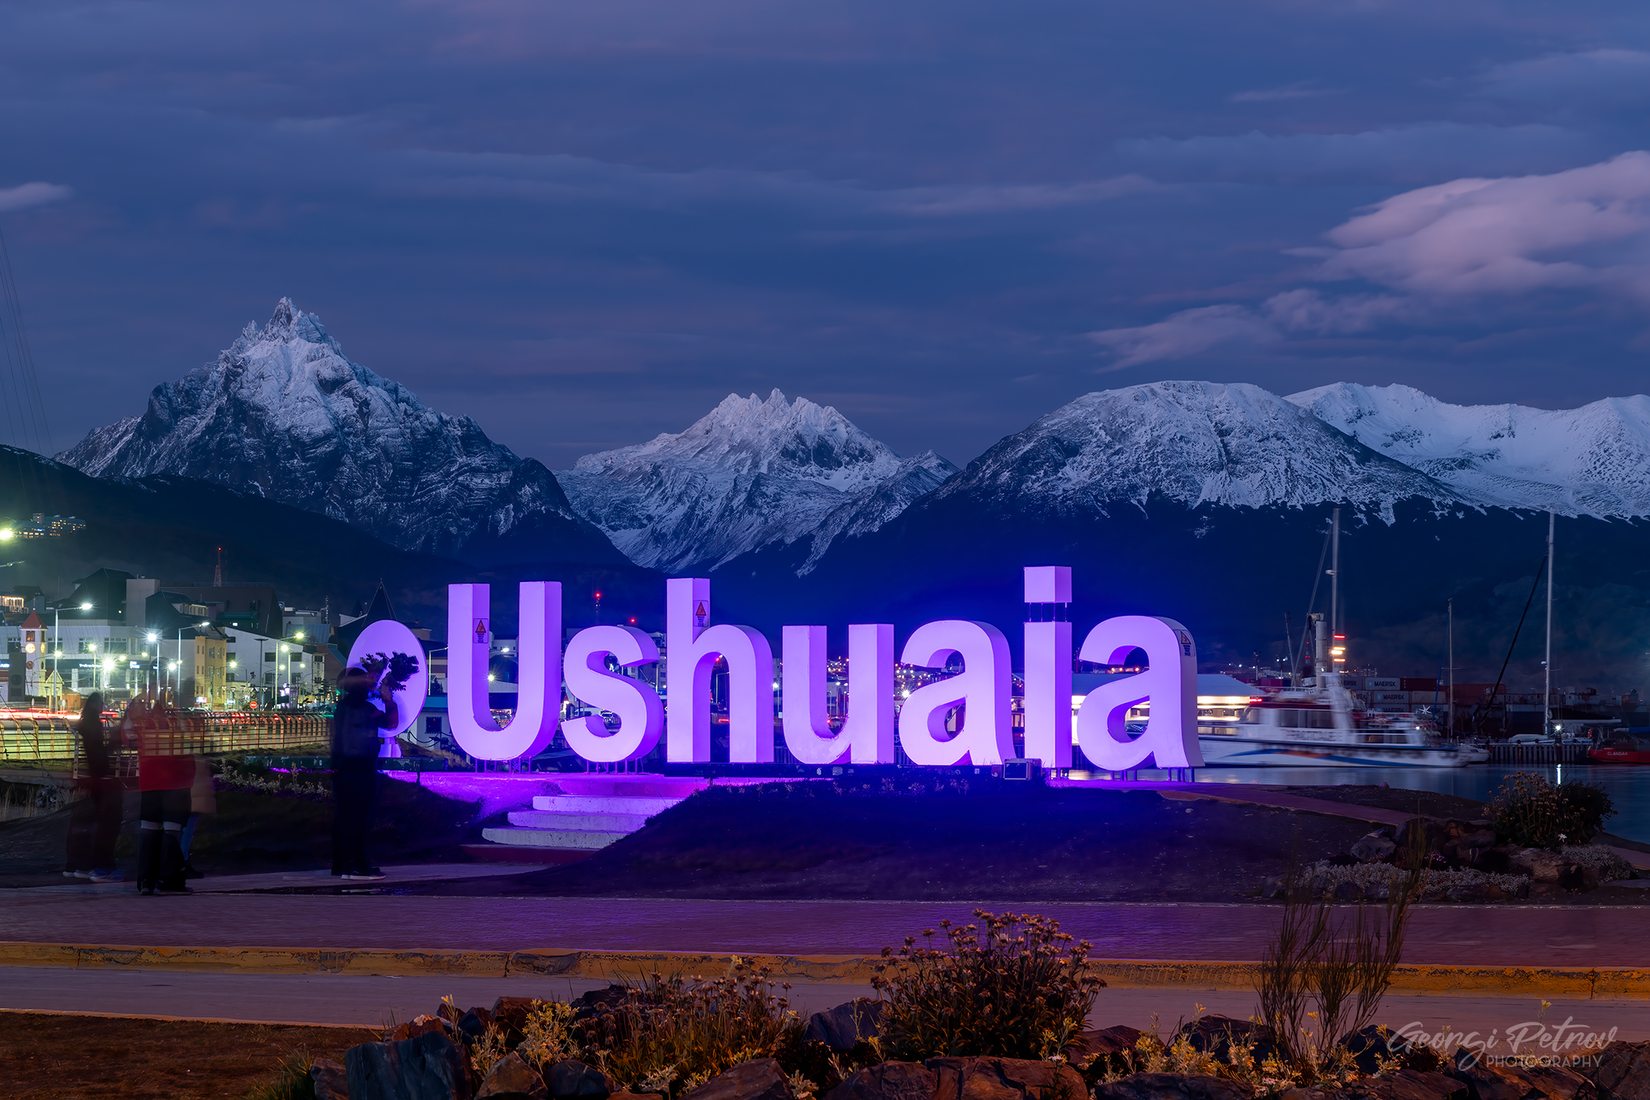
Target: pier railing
51 741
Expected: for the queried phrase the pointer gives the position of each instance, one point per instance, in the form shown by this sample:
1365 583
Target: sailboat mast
1452 666
1547 687
1335 574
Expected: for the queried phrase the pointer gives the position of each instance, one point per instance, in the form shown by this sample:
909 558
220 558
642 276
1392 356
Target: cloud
995 198
25 195
1424 151
1304 89
1601 77
1585 227
1184 334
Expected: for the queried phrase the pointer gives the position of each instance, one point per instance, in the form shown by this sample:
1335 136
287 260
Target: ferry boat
1324 727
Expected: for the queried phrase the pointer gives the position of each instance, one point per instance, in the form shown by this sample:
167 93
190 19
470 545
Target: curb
1544 982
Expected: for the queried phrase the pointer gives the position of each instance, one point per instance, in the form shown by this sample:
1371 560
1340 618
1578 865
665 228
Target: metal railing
51 740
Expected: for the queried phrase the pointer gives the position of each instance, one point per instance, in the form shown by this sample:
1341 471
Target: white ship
1323 727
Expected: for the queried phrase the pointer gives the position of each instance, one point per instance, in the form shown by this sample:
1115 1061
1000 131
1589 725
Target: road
376 1001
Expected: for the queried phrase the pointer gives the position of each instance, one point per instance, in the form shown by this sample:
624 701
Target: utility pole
1335 574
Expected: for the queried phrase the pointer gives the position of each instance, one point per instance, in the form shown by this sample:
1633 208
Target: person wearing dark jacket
94 822
356 725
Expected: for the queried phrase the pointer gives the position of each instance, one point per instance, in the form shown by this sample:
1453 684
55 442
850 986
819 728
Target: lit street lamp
57 642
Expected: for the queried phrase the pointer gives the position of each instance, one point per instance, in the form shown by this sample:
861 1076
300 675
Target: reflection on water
1626 785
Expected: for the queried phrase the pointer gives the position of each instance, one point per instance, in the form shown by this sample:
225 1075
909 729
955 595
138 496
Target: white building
274 671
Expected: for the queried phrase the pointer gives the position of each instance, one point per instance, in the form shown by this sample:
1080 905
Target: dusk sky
584 224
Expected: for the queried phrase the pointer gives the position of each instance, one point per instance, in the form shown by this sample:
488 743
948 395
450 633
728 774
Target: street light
7 533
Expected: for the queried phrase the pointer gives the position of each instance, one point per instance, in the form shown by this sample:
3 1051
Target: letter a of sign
481 632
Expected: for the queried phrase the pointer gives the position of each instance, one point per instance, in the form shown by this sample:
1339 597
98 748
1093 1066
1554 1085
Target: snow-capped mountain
1193 444
753 473
1586 461
284 414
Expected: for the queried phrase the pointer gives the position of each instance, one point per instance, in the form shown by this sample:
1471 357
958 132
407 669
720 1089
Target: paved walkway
1509 936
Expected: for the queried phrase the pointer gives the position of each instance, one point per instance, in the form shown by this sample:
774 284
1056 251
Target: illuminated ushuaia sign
867 734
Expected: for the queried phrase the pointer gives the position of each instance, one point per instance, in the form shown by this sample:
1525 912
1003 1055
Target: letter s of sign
538 698
640 712
1170 683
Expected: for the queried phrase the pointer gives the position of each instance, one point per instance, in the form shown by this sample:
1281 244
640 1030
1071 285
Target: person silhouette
356 722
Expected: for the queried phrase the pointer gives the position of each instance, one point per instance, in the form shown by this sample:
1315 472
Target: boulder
473 1025
1374 1044
1410 1084
1375 847
1623 1072
573 1080
1107 1048
510 1013
417 1026
847 1025
758 1080
598 1001
427 1067
1540 864
1216 1035
1004 1079
1510 1082
1170 1086
328 1080
513 1079
887 1081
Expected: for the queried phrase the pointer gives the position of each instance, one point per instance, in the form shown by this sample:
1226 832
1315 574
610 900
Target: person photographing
366 706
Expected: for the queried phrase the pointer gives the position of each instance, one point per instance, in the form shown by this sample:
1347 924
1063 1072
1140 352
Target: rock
510 1013
1004 1079
427 1067
597 1001
1375 1044
473 1025
328 1079
1539 864
637 1096
573 1080
1170 1086
1376 847
1511 1082
1216 1035
887 1081
847 1025
758 1080
1623 1072
417 1026
1410 1084
513 1079
1107 1048
1347 891
449 1012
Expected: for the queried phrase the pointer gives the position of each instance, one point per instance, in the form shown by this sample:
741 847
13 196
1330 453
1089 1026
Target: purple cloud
25 195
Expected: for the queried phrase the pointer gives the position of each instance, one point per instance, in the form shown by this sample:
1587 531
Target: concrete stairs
582 813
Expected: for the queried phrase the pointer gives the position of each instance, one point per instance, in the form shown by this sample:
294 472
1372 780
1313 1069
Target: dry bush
1010 985
1325 973
670 1034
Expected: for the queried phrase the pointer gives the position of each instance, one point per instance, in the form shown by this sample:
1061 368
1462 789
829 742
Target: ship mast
1547 665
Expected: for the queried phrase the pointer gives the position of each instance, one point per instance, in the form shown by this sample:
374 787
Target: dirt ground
255 831
49 1056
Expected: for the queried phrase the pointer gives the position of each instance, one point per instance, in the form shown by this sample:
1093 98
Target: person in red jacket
166 770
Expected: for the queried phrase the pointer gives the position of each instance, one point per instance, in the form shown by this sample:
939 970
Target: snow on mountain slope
1193 443
1591 460
751 473
284 414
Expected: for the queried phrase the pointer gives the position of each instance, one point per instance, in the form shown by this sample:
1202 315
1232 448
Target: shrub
1326 972
1380 881
1529 811
292 1081
671 1034
1597 857
1011 986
